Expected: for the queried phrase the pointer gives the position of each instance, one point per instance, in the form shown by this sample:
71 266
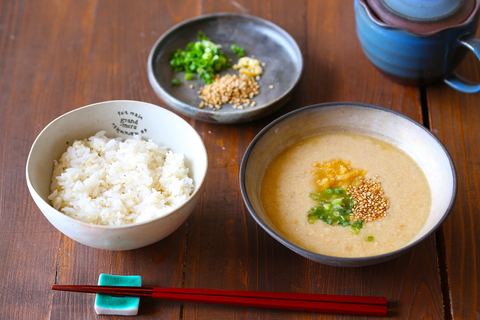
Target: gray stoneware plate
260 38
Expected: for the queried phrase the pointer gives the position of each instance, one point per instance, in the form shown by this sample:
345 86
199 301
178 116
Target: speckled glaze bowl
418 55
404 133
151 122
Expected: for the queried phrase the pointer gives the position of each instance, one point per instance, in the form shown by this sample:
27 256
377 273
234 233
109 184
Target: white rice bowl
119 181
122 120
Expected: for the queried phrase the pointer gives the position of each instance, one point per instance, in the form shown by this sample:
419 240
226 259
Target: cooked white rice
115 182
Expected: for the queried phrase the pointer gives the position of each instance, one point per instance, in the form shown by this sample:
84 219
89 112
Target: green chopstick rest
123 306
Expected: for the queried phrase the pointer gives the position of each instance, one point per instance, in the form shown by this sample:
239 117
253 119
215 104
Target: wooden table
56 56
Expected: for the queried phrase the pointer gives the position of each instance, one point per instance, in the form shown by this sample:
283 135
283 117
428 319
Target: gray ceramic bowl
381 123
260 38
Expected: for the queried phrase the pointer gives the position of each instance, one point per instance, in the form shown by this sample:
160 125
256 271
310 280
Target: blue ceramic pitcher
419 42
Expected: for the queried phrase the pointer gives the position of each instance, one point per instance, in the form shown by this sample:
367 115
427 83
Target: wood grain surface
58 55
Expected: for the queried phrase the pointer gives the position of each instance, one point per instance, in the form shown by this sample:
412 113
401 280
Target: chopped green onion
334 207
202 36
239 51
176 82
315 196
354 230
202 57
188 76
356 226
338 201
369 238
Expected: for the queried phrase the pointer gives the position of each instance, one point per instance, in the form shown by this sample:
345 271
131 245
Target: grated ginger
337 173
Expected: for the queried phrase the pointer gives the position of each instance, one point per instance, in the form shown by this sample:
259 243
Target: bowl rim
305 252
192 110
198 185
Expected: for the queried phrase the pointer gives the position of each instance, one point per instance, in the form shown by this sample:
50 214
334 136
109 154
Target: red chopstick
341 304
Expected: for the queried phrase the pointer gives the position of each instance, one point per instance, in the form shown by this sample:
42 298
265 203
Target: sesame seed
370 202
231 88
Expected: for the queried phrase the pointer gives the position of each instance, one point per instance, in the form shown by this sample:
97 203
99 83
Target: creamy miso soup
288 181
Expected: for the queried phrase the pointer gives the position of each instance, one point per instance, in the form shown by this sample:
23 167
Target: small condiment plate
260 38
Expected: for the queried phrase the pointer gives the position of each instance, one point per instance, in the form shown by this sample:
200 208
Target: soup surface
288 181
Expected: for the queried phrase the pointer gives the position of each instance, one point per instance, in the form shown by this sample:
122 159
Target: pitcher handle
458 82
